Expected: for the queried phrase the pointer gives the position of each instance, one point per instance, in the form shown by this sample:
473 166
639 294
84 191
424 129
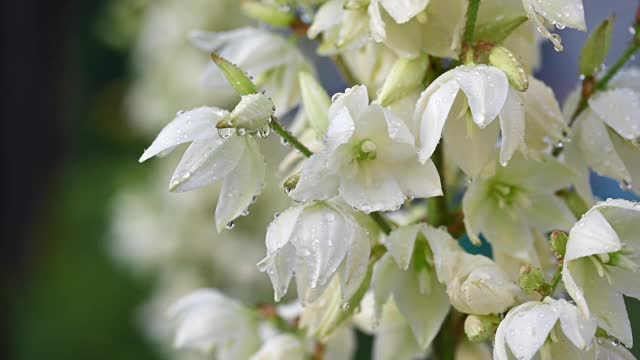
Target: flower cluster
444 132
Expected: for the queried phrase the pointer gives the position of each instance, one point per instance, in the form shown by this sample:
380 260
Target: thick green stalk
275 126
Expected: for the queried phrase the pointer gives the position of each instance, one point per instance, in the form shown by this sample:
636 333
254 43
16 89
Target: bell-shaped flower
479 286
506 203
412 273
369 159
560 13
486 95
236 160
207 320
283 346
314 242
272 61
607 133
550 328
602 264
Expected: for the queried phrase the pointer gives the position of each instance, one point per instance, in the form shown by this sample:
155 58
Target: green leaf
316 103
596 48
271 14
237 78
498 30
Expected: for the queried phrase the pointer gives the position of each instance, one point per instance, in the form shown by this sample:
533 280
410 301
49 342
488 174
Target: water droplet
336 96
224 133
632 30
241 132
284 141
245 212
626 185
230 225
345 306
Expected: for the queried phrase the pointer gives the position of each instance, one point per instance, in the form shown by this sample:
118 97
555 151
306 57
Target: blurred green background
64 295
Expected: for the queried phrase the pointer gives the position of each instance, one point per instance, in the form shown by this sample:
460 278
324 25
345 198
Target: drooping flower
272 61
314 242
506 203
607 133
602 264
207 320
487 95
553 328
560 13
412 274
369 159
236 160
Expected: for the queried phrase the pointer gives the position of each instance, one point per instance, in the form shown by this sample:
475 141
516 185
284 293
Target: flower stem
437 208
379 219
275 126
470 27
556 280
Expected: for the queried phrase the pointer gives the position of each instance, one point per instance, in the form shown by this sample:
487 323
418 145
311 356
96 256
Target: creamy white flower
414 281
602 264
506 203
560 13
550 327
606 134
369 159
479 286
207 320
315 242
487 95
272 61
283 346
236 160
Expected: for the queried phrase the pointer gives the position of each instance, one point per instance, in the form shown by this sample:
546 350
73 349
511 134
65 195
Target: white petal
627 78
318 180
486 88
630 156
400 244
403 10
341 345
354 267
548 212
282 346
398 130
443 246
192 125
624 218
597 148
578 329
341 128
564 13
432 111
418 180
545 174
609 350
355 99
207 161
512 125
542 108
528 328
370 187
376 24
385 277
620 109
592 235
327 16
397 343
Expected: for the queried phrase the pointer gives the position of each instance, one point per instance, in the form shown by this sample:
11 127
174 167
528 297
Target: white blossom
236 160
506 203
554 328
560 13
315 242
602 264
606 134
487 95
281 346
368 158
207 320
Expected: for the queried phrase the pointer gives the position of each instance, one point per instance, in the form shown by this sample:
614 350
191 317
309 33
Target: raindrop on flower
230 225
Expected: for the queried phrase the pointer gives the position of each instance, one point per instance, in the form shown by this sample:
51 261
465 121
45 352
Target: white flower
369 159
236 160
602 264
207 319
479 286
552 327
314 242
252 113
272 61
487 96
280 347
560 13
607 132
506 205
413 281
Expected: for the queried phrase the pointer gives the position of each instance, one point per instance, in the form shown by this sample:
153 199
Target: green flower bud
252 113
532 280
503 59
559 243
237 78
595 50
480 328
316 103
404 78
271 14
291 182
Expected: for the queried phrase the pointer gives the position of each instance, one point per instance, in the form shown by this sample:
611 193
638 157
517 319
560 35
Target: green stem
556 280
275 126
379 219
470 26
437 208
445 342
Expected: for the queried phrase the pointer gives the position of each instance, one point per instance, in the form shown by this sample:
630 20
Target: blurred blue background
67 149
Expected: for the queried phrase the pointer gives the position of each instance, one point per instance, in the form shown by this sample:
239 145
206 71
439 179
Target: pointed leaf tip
236 77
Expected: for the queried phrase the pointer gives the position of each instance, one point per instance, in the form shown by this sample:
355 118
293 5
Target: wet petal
512 125
486 88
620 109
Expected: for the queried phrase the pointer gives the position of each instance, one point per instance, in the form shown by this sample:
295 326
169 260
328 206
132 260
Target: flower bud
236 77
480 328
252 113
595 50
503 59
405 77
532 279
559 243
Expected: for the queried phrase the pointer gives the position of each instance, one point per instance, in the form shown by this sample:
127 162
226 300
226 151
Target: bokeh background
93 246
